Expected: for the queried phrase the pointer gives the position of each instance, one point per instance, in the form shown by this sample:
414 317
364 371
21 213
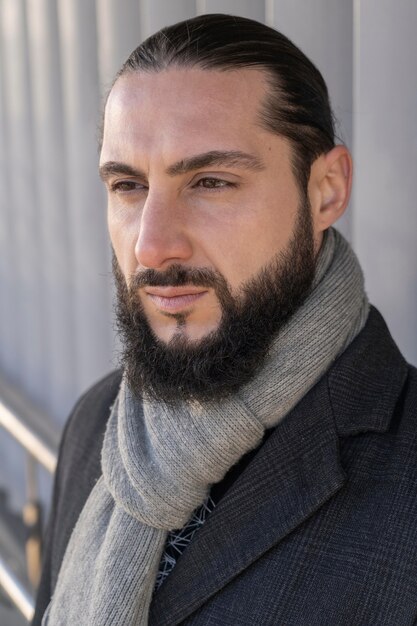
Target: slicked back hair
297 106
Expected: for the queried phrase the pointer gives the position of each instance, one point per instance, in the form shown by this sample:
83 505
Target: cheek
241 246
123 229
221 238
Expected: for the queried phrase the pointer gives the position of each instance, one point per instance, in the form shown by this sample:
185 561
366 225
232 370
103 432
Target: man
261 402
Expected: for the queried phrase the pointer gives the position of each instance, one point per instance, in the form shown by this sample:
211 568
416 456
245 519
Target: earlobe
332 177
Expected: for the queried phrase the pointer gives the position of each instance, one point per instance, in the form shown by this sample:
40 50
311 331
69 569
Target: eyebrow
231 158
113 168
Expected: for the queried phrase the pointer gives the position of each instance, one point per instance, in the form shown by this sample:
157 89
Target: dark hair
297 106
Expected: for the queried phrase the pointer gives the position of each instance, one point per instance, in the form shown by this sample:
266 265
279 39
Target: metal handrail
28 438
16 592
40 451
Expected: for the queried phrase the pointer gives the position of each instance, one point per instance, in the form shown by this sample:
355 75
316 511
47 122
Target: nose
162 237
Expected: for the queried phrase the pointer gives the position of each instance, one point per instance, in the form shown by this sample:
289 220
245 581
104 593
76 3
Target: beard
218 365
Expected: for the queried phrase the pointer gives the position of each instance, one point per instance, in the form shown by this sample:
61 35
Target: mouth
175 299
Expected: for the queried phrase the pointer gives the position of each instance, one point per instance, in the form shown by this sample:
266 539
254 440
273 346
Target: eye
126 186
210 182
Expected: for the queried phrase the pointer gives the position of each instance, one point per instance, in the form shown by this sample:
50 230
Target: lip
175 299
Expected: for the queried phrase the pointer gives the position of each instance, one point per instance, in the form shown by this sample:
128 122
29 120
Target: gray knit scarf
159 462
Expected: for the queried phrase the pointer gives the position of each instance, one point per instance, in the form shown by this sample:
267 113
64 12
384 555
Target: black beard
218 365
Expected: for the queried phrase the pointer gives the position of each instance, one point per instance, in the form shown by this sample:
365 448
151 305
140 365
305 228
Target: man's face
195 184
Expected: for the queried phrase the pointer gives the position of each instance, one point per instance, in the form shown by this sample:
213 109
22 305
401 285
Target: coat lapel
293 474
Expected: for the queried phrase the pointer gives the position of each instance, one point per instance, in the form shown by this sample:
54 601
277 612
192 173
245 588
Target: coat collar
367 379
294 473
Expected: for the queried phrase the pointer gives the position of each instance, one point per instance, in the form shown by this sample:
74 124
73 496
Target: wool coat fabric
319 529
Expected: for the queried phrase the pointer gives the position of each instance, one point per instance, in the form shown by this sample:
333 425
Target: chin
181 328
185 335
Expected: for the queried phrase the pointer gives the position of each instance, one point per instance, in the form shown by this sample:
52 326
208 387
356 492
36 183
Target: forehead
185 108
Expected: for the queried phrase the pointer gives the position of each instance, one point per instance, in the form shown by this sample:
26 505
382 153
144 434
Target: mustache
177 276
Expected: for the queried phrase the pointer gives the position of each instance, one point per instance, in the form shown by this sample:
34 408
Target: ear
329 187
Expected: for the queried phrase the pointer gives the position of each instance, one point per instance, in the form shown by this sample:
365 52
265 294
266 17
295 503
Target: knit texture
159 461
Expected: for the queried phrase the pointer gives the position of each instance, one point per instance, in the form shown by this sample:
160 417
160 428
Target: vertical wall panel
28 267
245 8
119 32
159 13
323 29
86 202
50 167
385 223
9 362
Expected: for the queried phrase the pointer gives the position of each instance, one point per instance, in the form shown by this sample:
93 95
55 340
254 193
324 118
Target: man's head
218 156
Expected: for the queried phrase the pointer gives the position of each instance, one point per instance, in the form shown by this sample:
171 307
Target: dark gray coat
321 526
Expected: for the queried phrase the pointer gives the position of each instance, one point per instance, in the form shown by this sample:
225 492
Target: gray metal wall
56 60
